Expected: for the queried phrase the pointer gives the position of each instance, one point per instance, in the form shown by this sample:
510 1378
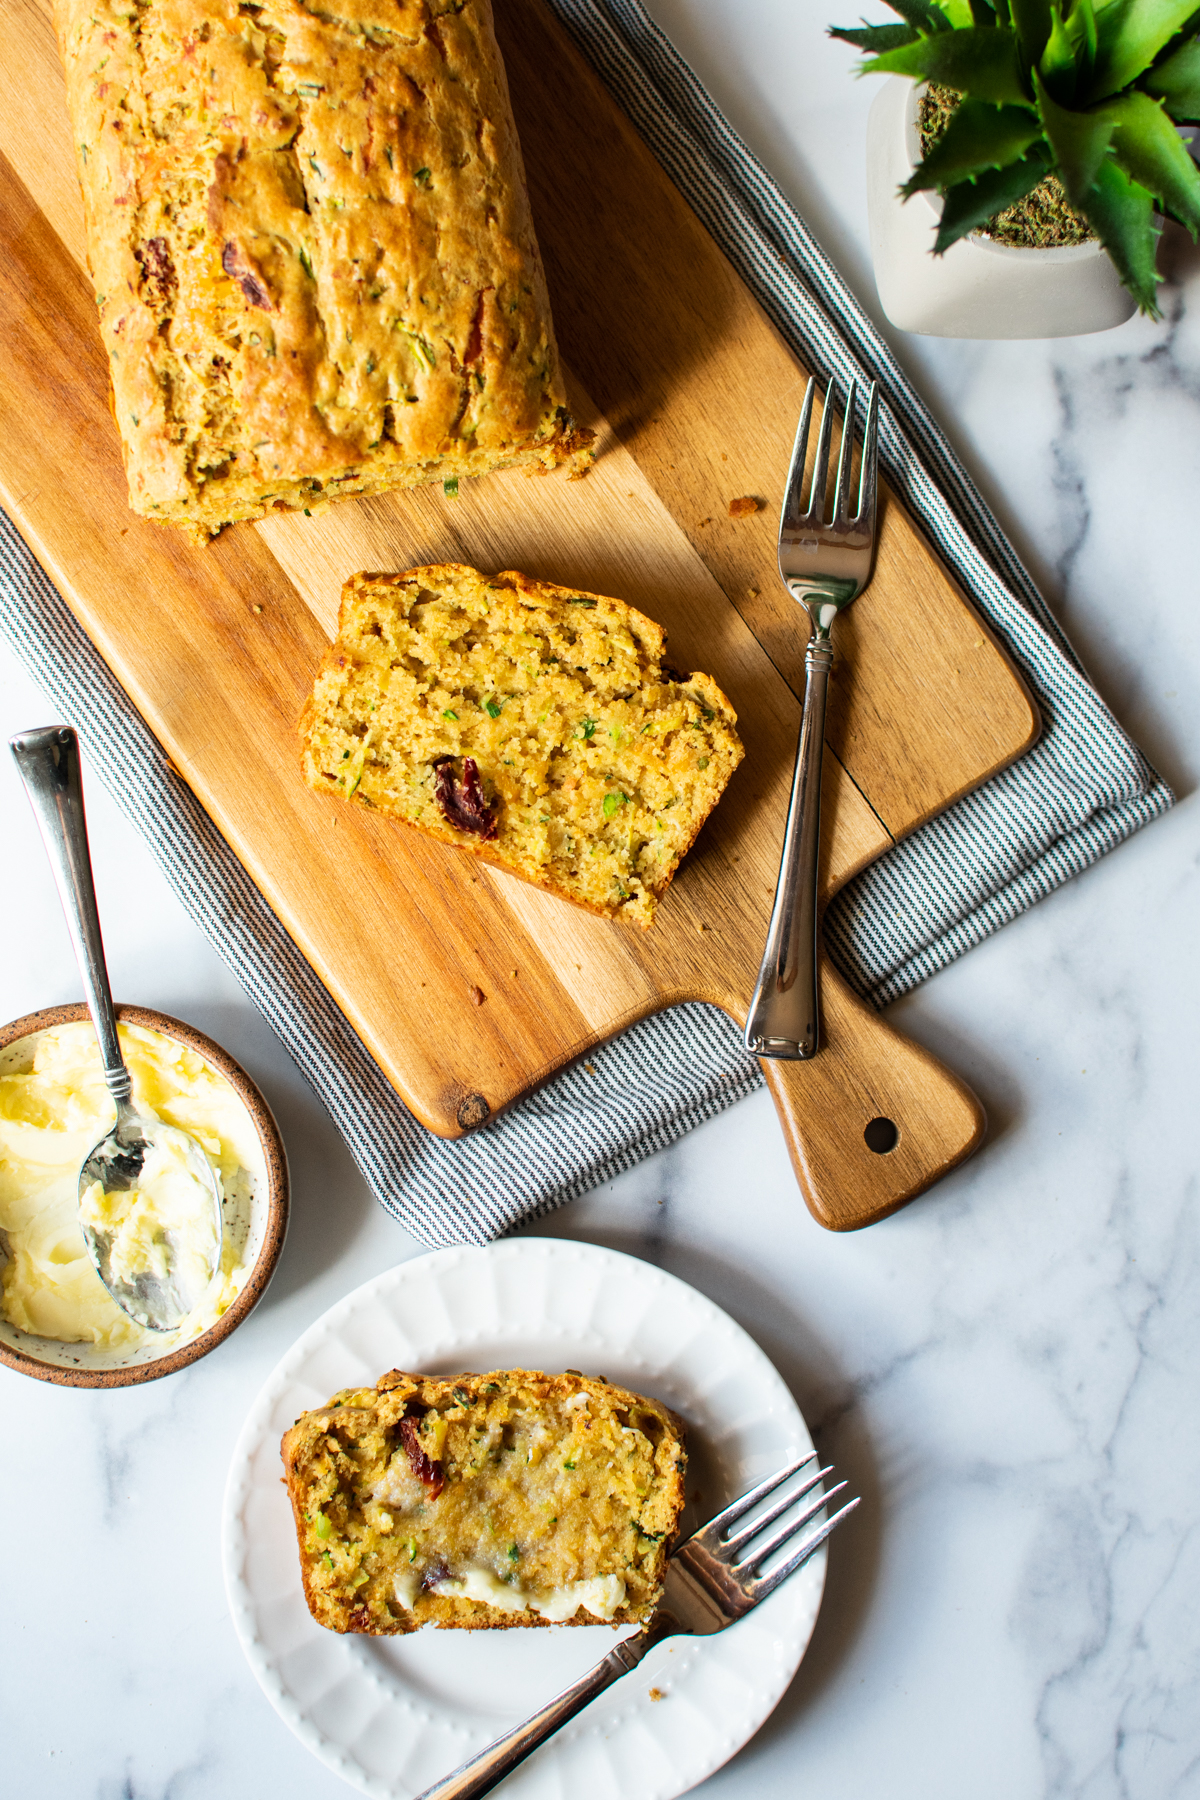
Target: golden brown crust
314 261
597 765
420 1483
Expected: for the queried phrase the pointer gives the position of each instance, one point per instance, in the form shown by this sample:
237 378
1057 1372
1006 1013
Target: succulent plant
1090 93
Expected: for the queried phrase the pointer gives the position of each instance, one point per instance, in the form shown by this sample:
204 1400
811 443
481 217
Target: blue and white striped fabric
1082 790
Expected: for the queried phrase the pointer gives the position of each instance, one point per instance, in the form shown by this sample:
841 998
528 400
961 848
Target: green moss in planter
1044 219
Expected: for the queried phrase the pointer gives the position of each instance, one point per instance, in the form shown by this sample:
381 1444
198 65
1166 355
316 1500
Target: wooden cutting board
695 400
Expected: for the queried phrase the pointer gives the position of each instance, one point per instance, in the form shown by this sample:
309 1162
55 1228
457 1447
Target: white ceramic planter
978 289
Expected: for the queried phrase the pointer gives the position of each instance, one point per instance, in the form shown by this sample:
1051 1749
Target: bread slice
532 724
484 1501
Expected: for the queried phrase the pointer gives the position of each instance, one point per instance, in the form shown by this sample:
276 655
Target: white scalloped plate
392 1715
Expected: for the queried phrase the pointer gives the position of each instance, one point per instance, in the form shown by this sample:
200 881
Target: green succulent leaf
1151 152
1079 140
1081 29
970 204
1129 35
978 137
876 38
1057 66
922 15
1121 213
1032 21
960 13
981 61
1177 81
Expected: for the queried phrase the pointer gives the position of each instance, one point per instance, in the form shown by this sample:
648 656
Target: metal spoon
159 1299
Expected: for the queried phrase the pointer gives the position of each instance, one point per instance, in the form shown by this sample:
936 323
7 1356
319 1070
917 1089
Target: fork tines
794 517
725 1543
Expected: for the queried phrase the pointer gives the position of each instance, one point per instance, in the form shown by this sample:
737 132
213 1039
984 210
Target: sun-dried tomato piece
474 347
158 271
235 262
462 803
431 1473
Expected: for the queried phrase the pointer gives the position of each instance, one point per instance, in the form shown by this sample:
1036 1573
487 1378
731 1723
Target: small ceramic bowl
263 1217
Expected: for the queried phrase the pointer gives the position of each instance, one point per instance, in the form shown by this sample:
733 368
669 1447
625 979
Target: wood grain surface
695 399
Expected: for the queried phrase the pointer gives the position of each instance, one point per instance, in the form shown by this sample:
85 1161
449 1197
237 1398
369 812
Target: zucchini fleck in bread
311 244
532 724
483 1501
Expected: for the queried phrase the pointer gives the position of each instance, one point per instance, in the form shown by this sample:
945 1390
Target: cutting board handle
874 1119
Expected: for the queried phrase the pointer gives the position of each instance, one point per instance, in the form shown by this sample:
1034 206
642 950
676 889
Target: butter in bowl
57 1320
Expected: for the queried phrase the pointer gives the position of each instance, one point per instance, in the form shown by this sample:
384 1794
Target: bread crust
665 748
313 255
364 1541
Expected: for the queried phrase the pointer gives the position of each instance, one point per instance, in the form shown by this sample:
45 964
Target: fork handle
488 1769
784 1019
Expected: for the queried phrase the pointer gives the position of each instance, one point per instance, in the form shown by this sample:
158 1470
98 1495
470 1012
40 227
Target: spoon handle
48 760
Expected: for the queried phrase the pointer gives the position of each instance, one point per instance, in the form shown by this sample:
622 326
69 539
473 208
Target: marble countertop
1006 1370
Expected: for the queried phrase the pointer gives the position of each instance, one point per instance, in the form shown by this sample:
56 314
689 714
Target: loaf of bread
484 1501
532 724
312 250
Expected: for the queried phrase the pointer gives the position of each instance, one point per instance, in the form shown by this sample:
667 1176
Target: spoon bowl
155 1260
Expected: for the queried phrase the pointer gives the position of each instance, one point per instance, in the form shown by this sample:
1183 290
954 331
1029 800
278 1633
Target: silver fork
710 1584
825 566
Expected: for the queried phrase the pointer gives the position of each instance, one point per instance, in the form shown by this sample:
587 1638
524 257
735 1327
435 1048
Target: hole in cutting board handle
473 1111
881 1136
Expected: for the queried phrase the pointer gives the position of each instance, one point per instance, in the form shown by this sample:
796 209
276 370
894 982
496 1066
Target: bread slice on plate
533 724
484 1501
